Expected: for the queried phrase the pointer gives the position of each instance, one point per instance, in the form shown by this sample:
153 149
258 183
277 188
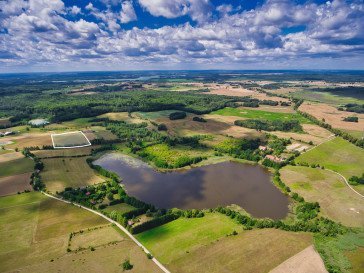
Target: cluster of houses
7 133
271 157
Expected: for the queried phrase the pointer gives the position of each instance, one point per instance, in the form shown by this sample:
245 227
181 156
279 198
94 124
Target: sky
103 35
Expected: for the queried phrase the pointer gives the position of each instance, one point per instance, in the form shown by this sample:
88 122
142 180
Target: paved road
119 226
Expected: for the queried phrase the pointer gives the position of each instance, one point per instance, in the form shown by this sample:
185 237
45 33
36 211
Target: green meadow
258 114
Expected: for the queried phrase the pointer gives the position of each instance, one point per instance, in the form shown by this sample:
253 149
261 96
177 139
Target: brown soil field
333 116
306 261
31 139
106 135
17 183
10 156
122 116
250 251
216 124
90 136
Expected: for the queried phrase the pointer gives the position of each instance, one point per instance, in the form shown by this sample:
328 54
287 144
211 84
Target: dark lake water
223 184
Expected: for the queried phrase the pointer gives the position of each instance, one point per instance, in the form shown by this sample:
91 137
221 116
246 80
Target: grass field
65 152
257 114
96 237
59 173
123 207
171 241
153 115
251 251
338 155
201 245
14 167
35 229
16 183
10 155
336 200
2 152
72 139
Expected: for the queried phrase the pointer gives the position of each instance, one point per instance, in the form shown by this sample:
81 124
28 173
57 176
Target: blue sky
78 35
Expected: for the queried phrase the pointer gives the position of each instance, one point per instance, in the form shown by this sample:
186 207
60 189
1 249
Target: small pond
223 184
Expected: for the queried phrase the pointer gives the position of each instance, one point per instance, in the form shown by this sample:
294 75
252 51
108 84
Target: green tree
127 265
110 196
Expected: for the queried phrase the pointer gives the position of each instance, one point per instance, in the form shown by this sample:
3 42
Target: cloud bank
48 35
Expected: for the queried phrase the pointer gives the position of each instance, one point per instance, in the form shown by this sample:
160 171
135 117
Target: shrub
126 265
162 127
177 115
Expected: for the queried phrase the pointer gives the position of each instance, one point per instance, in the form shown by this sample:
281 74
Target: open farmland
171 241
9 155
122 116
70 140
59 173
29 140
338 155
216 125
14 167
16 183
251 251
36 229
336 199
333 116
156 114
258 114
65 152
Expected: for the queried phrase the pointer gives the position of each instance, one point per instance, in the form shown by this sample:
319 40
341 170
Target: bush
162 127
177 115
199 119
351 119
126 265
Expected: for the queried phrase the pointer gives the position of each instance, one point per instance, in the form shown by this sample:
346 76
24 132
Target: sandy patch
306 261
293 146
6 142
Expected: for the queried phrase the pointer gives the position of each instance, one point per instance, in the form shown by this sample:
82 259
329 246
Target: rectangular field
70 140
59 173
16 183
14 167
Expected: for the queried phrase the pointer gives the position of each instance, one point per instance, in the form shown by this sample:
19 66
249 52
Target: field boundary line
118 225
76 132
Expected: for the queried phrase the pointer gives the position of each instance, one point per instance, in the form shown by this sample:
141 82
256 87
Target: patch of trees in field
198 119
356 180
270 125
351 119
240 148
177 115
353 107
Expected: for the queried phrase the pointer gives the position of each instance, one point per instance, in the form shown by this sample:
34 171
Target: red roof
88 193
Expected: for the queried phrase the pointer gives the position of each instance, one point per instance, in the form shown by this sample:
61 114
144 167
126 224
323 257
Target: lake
226 183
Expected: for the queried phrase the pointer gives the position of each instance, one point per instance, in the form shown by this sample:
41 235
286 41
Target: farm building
262 148
274 158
